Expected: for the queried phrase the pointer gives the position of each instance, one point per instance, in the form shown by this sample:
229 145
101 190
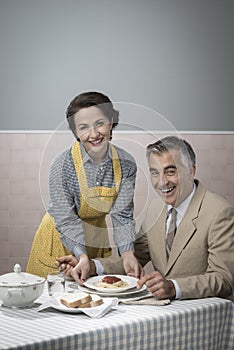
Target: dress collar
86 157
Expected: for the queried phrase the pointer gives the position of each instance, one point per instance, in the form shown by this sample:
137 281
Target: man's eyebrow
170 167
153 169
165 169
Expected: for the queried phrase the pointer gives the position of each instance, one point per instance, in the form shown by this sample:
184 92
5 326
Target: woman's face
93 129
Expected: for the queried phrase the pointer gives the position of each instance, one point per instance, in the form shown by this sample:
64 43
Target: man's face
170 178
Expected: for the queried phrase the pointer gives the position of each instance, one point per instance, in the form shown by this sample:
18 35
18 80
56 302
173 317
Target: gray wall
170 56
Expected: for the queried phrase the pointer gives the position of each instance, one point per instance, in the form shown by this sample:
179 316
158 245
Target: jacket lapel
156 239
161 227
187 227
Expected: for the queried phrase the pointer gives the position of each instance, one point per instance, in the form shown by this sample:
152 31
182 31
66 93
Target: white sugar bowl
20 289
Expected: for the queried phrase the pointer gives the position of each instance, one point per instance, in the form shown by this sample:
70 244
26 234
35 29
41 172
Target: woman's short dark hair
89 99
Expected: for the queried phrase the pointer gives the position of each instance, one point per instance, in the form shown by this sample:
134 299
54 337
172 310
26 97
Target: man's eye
170 172
154 173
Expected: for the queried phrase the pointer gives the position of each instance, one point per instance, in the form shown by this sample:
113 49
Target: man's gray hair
188 156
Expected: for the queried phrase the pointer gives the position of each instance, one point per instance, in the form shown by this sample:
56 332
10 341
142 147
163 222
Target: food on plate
75 299
96 301
80 300
111 282
111 279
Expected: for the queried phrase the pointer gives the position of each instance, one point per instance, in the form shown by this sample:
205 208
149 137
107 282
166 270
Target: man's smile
167 189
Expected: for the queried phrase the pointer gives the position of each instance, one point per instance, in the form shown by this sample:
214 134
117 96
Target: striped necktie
171 230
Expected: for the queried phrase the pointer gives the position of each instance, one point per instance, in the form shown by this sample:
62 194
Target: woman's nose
93 132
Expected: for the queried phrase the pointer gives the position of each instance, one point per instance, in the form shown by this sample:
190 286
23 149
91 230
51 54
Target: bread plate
130 282
109 293
56 304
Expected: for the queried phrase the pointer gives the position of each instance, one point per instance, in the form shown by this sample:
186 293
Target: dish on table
56 304
109 293
60 307
95 283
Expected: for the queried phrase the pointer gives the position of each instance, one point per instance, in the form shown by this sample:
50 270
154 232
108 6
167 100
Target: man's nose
162 179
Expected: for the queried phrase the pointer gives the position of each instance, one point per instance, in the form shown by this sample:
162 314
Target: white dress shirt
181 210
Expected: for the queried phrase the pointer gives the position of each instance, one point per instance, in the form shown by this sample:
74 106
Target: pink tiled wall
24 163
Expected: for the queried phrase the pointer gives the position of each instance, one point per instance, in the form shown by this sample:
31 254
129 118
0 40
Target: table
205 324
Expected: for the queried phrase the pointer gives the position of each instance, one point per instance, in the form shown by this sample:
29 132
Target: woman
87 182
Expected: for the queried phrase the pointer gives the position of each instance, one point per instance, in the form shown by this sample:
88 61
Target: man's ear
193 170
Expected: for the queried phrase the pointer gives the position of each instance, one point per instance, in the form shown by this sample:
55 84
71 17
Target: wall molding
158 132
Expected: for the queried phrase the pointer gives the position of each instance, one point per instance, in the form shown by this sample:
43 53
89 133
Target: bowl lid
19 279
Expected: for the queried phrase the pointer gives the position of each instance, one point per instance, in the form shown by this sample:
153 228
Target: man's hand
131 265
159 286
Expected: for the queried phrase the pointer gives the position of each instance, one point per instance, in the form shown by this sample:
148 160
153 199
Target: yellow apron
95 204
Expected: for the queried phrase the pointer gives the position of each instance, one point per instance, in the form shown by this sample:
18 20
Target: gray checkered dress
65 198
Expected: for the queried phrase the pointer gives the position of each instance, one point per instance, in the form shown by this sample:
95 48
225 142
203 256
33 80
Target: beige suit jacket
202 255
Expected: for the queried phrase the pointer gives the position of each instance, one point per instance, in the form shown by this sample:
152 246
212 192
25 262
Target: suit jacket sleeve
141 248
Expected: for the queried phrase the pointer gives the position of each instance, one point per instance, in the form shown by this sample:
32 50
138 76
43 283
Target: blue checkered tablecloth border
205 324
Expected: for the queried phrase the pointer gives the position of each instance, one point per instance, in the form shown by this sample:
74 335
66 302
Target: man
195 257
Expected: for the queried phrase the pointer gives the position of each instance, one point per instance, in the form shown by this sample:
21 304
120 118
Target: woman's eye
100 123
81 128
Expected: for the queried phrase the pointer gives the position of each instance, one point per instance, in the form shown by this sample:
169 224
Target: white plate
59 306
91 283
56 304
109 293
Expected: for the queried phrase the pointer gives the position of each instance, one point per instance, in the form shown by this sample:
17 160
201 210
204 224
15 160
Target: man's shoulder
208 206
217 201
154 209
212 198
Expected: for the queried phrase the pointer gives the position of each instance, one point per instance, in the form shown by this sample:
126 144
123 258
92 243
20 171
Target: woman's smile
96 142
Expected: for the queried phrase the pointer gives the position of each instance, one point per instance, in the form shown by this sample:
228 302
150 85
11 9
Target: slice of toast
96 301
75 299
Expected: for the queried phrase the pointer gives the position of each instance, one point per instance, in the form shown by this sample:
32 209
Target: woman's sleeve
124 230
62 207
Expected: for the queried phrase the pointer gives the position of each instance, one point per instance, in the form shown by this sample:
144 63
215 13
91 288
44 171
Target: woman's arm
124 230
62 207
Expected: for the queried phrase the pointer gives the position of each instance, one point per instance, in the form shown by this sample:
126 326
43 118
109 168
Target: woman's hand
131 265
81 270
66 263
158 285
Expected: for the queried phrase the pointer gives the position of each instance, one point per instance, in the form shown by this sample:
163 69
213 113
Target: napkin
145 299
94 312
